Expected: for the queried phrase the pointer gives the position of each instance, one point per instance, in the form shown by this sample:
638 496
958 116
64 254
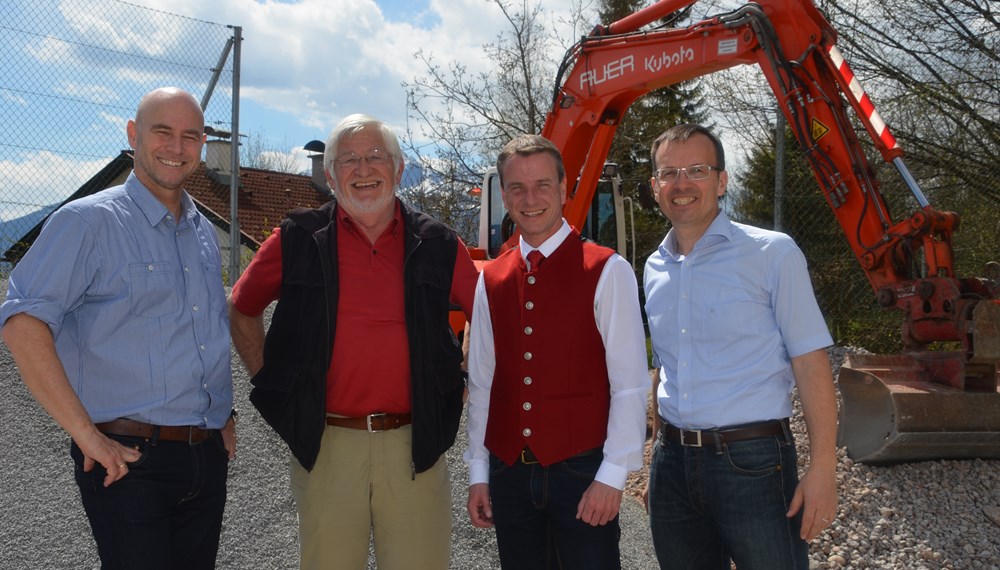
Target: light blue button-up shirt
135 302
725 321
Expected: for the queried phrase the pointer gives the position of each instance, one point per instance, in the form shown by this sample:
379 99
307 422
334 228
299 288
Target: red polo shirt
370 365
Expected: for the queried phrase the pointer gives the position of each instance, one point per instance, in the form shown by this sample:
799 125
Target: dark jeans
708 506
534 512
166 513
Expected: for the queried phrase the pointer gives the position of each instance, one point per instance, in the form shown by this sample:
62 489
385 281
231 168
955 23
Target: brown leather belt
718 436
373 422
132 428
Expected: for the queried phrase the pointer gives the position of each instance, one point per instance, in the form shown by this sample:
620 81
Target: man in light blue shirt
116 318
734 326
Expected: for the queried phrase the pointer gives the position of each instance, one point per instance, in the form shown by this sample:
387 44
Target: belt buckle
368 420
697 442
525 460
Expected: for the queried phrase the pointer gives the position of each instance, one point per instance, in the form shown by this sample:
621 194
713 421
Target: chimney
218 156
318 174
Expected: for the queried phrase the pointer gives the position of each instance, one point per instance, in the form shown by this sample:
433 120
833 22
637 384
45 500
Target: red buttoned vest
550 387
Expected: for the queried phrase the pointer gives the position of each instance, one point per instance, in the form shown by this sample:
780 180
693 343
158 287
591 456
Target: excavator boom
921 405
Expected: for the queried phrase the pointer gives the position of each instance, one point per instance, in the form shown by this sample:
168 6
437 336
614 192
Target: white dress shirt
619 321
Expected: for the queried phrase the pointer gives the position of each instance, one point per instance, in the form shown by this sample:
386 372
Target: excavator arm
909 262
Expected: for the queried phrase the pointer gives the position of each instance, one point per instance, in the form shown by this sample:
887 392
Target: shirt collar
548 246
720 228
150 206
394 224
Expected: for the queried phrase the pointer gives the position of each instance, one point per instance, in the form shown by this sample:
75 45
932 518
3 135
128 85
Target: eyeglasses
694 173
351 161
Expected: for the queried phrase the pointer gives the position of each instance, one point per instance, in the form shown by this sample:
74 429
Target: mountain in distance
13 230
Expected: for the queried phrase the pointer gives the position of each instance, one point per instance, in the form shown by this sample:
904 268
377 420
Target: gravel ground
43 525
942 514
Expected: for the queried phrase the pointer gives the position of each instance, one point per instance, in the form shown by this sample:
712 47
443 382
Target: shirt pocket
153 292
734 310
216 289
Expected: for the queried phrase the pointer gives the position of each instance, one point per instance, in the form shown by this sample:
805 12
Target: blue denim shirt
725 321
136 305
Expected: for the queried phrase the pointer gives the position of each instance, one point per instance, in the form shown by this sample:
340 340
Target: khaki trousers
363 485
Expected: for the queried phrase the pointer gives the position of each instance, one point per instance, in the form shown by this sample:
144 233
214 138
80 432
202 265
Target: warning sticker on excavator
818 129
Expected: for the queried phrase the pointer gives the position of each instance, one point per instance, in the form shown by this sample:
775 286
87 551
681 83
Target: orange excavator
918 405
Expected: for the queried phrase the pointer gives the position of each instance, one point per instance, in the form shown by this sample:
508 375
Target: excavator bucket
914 407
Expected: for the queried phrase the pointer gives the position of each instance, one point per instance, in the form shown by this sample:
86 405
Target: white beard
366 206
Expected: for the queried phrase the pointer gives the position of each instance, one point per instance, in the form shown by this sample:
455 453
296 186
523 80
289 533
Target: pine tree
645 120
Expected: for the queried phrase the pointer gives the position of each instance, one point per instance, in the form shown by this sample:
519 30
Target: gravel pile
922 516
927 515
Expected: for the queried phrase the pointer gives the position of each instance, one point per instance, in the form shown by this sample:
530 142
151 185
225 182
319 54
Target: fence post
234 181
779 169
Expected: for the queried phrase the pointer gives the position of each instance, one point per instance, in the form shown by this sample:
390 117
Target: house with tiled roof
264 197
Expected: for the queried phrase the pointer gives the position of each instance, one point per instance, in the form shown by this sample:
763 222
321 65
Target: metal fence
843 291
800 210
71 76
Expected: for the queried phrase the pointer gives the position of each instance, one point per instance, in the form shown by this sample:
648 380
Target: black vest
290 389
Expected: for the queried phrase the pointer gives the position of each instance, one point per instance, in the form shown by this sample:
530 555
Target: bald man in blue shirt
116 317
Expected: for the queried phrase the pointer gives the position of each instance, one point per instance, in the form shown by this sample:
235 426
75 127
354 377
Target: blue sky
305 65
309 63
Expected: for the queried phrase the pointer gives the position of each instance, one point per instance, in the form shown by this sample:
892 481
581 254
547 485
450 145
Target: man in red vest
558 380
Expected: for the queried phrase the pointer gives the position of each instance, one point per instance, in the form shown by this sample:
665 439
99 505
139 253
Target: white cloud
32 176
15 99
50 50
117 122
305 65
296 156
95 93
124 34
320 60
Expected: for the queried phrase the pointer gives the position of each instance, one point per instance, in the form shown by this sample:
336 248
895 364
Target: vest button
526 432
531 280
526 406
527 380
528 330
529 305
527 356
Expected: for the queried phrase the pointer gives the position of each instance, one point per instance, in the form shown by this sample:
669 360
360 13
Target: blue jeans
166 513
710 506
534 513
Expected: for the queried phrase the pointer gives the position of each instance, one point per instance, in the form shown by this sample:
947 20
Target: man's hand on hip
113 456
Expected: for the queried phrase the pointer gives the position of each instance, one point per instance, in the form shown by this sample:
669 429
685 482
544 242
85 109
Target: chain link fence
72 73
842 288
